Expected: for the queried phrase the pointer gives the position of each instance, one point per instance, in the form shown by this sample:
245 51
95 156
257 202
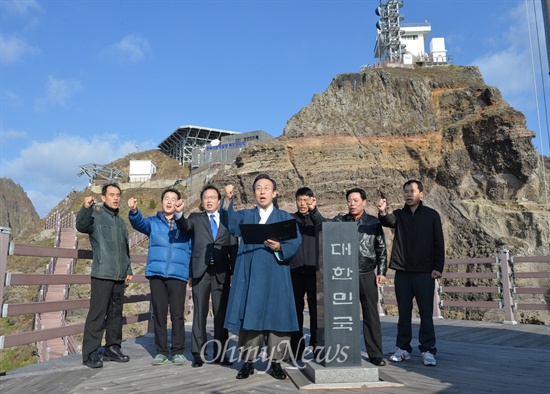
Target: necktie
213 226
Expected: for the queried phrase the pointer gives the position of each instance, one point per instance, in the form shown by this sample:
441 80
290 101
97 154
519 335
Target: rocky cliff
16 209
442 125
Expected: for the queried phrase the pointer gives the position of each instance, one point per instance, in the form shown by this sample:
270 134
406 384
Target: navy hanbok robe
261 296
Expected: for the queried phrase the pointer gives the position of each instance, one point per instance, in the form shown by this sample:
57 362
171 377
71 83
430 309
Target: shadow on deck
473 357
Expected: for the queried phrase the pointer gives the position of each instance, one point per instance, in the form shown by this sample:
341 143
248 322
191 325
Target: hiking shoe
400 355
159 359
179 359
429 359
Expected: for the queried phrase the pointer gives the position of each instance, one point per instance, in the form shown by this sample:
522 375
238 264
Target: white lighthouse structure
404 43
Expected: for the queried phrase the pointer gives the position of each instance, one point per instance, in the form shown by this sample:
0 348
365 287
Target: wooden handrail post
380 301
437 301
5 233
506 278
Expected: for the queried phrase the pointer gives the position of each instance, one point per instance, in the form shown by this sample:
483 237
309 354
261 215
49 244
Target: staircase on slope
58 347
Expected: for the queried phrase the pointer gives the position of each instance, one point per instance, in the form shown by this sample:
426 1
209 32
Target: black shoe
223 361
379 361
197 362
246 371
277 371
93 361
113 353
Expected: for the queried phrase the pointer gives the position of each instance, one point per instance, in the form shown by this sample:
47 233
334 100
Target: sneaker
429 359
179 359
159 359
400 355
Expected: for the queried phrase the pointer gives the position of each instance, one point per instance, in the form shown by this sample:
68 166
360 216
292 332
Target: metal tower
388 41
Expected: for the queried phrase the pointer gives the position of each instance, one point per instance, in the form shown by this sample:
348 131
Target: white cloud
58 91
10 97
131 49
47 170
12 135
21 7
13 49
508 64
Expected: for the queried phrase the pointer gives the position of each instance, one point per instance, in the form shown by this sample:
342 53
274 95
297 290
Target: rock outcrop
16 209
442 125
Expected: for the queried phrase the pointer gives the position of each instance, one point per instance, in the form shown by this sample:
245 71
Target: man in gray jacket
110 269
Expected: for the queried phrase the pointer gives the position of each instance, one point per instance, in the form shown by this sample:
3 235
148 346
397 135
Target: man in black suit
214 252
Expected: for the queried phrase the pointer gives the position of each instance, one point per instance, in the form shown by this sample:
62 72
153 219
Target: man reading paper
261 301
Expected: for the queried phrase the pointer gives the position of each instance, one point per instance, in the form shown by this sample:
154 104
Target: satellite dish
215 142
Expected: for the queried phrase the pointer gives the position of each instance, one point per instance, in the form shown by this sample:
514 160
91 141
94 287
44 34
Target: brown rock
442 125
16 209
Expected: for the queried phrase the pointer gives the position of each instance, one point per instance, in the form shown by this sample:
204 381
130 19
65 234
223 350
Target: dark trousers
419 285
168 292
304 283
204 287
104 315
372 330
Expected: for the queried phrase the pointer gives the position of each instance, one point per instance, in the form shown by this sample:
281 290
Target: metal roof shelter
99 172
179 145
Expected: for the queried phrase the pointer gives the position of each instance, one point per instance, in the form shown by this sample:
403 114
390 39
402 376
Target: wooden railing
505 288
504 271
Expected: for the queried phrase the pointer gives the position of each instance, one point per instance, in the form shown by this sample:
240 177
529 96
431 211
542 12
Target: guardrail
505 288
503 271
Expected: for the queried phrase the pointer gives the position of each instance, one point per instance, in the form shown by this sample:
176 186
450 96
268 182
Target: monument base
315 376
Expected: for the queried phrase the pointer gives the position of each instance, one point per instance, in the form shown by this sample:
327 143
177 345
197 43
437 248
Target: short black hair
171 190
264 176
418 183
304 191
357 190
211 187
105 187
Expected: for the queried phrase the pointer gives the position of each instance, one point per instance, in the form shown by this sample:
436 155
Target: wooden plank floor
473 357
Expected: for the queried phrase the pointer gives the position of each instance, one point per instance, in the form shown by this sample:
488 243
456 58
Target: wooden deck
473 357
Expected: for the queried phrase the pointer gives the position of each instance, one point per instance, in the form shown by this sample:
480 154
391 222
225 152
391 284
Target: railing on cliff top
502 269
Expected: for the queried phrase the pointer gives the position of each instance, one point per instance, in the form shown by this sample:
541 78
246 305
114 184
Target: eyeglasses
265 188
209 198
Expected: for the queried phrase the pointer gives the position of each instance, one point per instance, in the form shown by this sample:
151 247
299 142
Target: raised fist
132 204
229 190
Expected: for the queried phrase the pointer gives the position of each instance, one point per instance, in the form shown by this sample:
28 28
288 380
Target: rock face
16 209
442 125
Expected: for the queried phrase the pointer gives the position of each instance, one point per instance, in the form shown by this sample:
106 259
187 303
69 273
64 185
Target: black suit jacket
222 250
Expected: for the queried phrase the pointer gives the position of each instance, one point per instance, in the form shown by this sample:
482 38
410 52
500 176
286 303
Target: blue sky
86 81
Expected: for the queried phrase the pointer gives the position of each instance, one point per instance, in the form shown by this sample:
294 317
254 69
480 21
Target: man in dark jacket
303 271
110 269
214 253
372 269
418 257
